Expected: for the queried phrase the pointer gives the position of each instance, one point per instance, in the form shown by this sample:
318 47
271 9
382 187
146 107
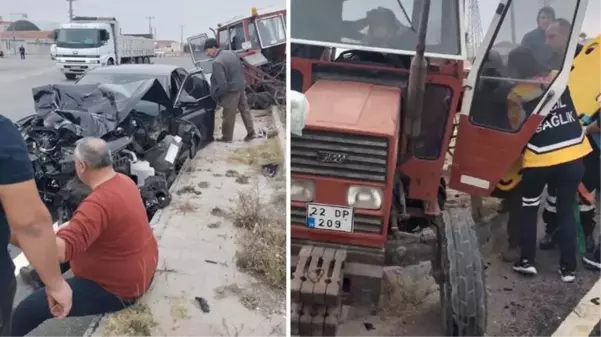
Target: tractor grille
362 223
366 157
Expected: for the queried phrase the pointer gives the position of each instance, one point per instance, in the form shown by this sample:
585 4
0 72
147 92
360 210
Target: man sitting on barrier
108 244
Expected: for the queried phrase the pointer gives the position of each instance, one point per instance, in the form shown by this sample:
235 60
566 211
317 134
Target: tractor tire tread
466 276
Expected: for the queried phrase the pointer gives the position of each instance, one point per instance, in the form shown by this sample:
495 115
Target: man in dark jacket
228 90
535 40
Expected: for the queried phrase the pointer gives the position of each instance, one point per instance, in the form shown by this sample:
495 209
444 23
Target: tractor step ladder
316 289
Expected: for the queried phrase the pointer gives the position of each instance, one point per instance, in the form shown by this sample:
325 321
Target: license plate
330 217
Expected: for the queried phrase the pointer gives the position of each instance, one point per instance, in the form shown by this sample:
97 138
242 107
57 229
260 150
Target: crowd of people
562 155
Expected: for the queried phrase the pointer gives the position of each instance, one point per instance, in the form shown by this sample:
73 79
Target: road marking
9 79
584 317
21 261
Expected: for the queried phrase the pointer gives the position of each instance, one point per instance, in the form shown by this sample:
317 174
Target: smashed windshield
272 31
376 25
78 38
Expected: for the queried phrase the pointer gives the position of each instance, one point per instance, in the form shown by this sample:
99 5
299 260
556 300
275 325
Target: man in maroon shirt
108 244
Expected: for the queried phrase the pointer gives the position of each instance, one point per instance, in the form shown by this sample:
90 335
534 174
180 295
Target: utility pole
23 16
71 9
181 39
150 18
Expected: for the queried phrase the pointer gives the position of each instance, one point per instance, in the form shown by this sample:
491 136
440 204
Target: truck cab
90 42
86 44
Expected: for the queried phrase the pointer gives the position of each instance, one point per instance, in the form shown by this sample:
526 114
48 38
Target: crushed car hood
96 109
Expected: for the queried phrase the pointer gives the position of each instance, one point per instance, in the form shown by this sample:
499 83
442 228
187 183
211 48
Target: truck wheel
147 60
70 77
110 62
463 293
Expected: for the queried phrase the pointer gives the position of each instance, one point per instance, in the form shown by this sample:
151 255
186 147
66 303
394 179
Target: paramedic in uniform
553 155
558 35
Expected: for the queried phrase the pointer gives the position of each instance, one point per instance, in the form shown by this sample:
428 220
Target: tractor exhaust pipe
417 79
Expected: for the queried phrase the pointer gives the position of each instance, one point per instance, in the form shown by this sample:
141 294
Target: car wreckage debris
139 141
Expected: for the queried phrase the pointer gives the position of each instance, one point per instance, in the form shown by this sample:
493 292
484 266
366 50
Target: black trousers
565 179
590 180
7 296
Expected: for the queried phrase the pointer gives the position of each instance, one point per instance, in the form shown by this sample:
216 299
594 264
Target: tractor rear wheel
463 291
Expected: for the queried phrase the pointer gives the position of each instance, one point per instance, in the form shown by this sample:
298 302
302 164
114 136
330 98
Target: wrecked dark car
138 120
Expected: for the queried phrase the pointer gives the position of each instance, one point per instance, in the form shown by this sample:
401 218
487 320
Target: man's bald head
94 152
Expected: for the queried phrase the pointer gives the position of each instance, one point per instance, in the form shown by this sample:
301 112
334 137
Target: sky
591 24
196 15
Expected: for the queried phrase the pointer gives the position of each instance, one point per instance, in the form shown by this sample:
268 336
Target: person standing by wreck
228 89
24 216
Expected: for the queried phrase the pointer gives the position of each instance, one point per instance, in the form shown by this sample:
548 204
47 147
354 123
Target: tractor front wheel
463 289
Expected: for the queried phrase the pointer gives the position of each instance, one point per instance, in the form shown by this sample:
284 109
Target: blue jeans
88 299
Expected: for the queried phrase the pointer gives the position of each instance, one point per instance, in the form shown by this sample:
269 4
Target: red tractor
378 85
260 40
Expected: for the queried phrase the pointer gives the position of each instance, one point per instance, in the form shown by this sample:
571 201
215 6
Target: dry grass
404 292
188 190
136 320
266 152
178 309
243 179
185 206
263 243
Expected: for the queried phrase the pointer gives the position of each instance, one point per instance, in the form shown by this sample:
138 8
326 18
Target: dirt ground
517 306
222 244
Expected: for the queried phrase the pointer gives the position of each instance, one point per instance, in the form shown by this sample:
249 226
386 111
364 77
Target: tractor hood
354 107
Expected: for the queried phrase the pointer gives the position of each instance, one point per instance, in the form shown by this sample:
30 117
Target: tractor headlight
302 190
365 197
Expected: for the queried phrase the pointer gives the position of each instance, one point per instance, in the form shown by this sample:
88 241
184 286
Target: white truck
90 42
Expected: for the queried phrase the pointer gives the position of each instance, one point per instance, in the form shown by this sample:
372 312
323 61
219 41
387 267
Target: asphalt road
17 78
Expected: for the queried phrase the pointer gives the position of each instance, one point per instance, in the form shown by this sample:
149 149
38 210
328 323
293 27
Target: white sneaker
566 275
